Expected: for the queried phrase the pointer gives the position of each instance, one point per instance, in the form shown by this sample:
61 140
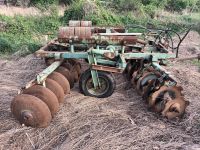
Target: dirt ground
120 122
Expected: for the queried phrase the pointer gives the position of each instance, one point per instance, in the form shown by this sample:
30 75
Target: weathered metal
45 73
107 50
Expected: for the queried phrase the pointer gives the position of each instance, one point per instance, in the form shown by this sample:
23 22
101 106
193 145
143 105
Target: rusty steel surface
119 39
156 89
73 23
120 34
106 68
86 23
65 33
84 34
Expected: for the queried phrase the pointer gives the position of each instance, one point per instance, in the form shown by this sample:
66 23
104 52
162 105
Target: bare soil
119 122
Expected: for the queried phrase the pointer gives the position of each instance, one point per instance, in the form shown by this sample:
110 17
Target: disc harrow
159 90
39 101
107 50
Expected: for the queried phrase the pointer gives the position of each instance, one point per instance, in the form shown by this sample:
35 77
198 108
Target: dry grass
12 11
31 11
119 122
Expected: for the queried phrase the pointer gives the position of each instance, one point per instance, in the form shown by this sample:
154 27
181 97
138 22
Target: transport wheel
61 80
31 111
56 89
107 81
46 95
65 72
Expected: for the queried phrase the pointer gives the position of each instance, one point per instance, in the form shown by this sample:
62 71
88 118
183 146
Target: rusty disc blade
31 111
158 96
56 89
46 95
74 73
77 67
174 108
61 80
134 79
67 74
144 81
67 65
128 71
73 62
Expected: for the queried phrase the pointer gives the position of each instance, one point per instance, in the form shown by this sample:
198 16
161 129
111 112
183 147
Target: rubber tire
56 89
39 110
87 75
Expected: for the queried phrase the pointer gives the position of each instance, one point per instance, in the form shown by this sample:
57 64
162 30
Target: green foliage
5 45
127 5
177 5
196 62
27 32
66 2
43 3
82 10
171 5
46 3
104 17
150 10
75 11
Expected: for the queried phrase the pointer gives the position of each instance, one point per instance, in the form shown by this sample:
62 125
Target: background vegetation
28 33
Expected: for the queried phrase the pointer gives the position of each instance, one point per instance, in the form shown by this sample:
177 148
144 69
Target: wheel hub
100 89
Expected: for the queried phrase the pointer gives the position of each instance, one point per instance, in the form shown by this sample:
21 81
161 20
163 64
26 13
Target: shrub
177 5
90 10
150 10
43 3
75 11
27 32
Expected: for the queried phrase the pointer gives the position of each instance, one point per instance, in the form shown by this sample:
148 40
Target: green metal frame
96 57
